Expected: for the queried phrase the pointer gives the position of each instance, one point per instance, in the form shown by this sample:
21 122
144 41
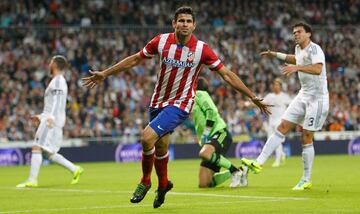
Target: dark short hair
306 26
61 62
202 84
184 10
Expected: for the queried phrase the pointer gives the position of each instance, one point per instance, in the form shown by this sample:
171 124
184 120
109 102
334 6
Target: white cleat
235 179
244 176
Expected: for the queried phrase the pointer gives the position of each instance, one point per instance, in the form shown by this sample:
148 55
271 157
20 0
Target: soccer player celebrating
308 109
280 100
181 56
215 141
51 121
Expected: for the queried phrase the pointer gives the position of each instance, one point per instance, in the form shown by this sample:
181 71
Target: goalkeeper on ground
214 140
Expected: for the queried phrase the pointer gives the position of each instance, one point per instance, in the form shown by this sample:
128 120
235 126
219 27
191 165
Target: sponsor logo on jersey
177 63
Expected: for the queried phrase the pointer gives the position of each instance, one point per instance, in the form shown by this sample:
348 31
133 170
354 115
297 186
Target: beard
51 72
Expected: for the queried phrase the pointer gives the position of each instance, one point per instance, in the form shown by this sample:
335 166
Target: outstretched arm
288 58
231 78
123 65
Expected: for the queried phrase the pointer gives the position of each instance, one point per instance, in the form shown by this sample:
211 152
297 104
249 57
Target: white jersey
280 102
312 84
55 101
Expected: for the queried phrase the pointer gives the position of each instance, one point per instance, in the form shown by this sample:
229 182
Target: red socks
161 163
161 170
147 163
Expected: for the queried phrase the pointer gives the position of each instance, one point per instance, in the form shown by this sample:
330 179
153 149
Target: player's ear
309 34
174 23
55 65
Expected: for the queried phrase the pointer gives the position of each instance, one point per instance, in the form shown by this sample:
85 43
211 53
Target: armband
281 56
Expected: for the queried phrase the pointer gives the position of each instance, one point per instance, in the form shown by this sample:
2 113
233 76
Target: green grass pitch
107 187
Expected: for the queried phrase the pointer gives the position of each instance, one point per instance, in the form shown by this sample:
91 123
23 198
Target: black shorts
221 140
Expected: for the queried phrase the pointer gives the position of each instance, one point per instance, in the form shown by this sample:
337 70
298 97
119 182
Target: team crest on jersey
190 56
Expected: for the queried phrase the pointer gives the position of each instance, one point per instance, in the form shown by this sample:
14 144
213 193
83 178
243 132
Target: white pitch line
171 193
236 196
130 206
73 208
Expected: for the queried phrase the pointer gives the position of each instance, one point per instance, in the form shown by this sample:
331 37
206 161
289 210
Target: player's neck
56 73
305 44
182 40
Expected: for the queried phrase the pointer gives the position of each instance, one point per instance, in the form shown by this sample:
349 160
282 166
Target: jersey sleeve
317 55
207 105
57 92
58 87
151 48
210 59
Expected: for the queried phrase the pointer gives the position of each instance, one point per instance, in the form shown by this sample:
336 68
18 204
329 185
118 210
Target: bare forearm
237 84
123 65
310 69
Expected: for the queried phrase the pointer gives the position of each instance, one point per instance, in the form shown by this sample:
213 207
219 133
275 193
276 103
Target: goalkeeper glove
205 135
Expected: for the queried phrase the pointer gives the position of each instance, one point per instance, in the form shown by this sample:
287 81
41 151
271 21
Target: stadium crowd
118 108
150 12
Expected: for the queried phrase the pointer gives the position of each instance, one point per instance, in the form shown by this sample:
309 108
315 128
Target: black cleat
160 195
140 193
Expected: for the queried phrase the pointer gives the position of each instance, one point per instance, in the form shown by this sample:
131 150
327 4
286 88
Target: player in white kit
308 109
49 134
280 101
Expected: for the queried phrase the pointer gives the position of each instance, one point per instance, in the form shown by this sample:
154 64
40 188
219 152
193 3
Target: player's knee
283 128
160 152
36 149
205 154
159 147
307 138
204 184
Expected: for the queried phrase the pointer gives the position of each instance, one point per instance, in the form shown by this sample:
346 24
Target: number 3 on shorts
311 121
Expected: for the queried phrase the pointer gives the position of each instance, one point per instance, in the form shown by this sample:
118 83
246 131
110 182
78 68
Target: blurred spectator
253 13
336 125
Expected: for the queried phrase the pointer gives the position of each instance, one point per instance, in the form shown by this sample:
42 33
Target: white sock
279 153
271 144
57 158
308 155
36 160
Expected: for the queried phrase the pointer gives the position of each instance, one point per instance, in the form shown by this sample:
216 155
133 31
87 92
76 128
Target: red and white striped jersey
180 66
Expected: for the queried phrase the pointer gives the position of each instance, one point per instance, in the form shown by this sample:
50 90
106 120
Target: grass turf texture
107 187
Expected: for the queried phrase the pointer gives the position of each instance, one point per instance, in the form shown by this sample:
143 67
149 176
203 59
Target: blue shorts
165 120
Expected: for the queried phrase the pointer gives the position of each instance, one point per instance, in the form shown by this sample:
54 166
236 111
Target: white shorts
49 139
308 111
